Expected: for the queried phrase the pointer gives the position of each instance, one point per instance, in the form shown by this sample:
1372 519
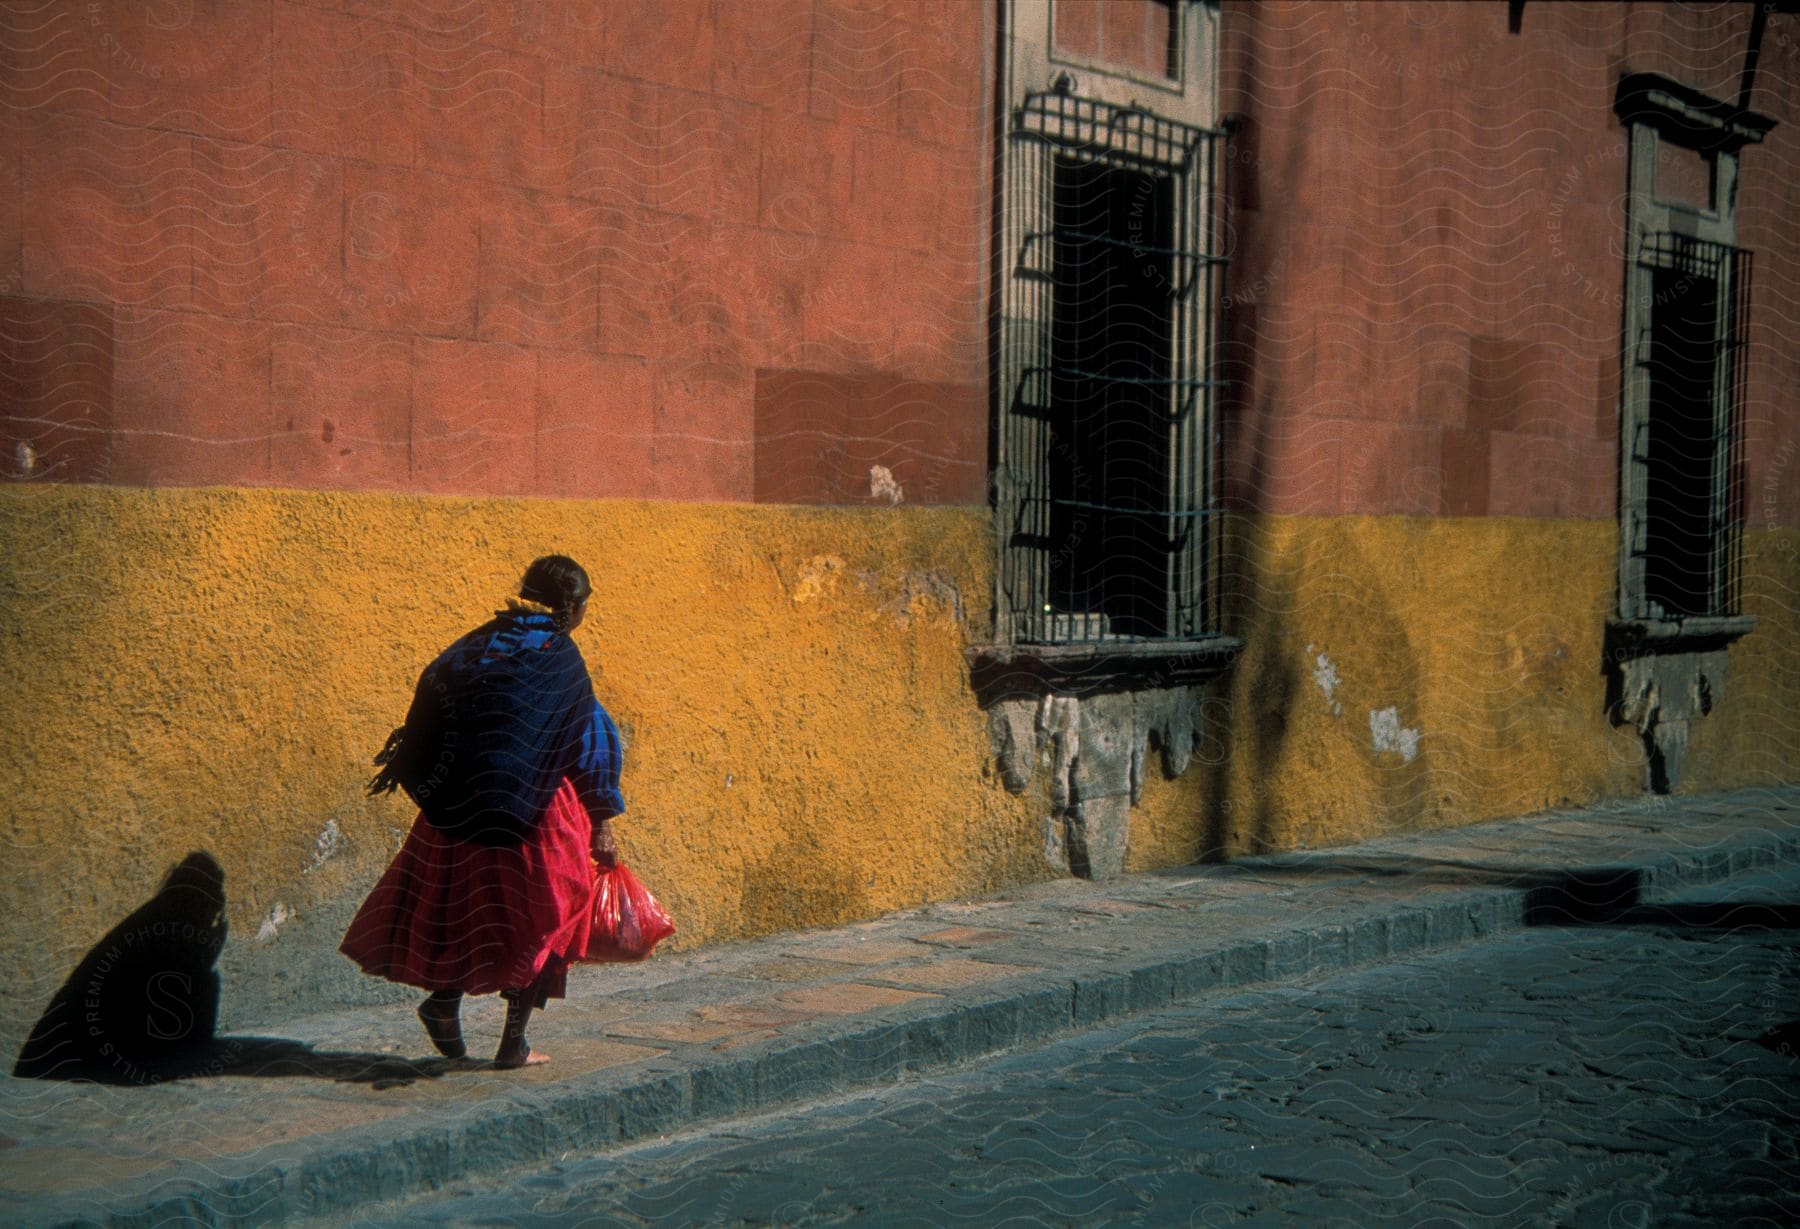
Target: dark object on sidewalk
143 1005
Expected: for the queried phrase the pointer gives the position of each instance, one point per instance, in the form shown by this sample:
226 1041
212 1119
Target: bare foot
510 1058
444 1028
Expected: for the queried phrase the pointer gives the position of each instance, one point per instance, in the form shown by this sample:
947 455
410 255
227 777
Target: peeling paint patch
819 578
1390 735
927 593
329 842
1325 677
883 486
279 914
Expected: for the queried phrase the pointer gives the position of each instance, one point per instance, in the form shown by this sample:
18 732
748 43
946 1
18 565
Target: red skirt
452 915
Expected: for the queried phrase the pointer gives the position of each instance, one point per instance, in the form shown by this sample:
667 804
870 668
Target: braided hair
559 583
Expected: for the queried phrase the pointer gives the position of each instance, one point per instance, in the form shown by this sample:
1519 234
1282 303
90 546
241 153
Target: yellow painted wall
1486 636
211 669
1753 735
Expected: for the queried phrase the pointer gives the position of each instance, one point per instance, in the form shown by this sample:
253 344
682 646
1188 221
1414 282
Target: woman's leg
441 1014
514 1050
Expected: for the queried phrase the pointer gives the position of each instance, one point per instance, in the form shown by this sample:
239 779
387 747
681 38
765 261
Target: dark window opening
1689 485
1109 392
1682 457
1104 477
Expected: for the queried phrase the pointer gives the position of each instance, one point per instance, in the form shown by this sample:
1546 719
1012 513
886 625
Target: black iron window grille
1685 506
1106 481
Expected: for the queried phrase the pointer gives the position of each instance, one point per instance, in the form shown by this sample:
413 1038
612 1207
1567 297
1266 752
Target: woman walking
515 767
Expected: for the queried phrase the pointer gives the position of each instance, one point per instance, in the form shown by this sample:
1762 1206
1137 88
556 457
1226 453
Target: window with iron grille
1684 495
1687 295
1108 438
1681 410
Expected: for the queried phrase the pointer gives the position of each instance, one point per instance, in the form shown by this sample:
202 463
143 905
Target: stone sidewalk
329 1111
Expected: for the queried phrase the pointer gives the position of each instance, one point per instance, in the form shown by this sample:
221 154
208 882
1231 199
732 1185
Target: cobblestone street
1606 1076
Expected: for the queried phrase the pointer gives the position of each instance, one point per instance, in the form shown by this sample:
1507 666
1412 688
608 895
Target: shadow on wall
143 1005
797 875
1248 734
1269 468
1255 604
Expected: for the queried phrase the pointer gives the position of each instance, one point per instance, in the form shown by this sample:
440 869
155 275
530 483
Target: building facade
1009 439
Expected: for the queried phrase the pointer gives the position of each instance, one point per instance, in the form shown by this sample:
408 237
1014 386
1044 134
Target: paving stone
686 1027
1188 1192
949 974
791 968
966 936
868 952
50 1169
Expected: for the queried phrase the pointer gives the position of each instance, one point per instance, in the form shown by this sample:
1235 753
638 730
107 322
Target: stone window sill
1693 635
1027 671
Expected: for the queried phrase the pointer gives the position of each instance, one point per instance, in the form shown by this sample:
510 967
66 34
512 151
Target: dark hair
559 583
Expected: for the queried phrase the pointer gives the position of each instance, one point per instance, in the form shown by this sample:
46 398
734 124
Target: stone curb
535 1125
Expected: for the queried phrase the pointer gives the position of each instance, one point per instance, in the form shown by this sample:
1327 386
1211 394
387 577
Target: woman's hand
604 848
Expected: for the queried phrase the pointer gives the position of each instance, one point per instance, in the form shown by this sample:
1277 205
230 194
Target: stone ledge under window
1662 675
1026 671
1699 634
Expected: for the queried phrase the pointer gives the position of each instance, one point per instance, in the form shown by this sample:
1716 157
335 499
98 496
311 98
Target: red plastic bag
628 921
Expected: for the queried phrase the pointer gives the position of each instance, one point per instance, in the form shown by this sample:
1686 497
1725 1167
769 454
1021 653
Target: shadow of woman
278 1057
143 1005
145 999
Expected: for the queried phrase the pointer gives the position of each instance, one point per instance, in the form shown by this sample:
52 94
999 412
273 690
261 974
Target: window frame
1021 656
1176 84
1657 109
